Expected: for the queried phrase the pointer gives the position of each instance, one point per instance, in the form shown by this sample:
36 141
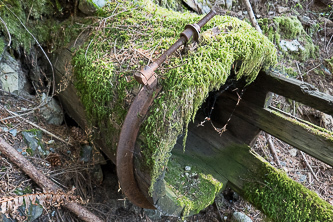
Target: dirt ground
64 166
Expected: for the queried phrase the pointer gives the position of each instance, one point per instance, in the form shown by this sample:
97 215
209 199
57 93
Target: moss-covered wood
104 53
104 67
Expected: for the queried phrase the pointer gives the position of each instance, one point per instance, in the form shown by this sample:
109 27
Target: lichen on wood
104 69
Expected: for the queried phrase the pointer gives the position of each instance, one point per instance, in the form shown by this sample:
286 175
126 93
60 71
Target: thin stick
10 37
313 68
308 165
17 96
273 150
299 71
45 183
42 129
251 15
85 54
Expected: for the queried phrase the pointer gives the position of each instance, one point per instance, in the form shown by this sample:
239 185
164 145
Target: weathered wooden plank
267 188
296 90
303 135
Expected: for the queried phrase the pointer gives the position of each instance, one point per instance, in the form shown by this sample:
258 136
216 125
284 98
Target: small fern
9 205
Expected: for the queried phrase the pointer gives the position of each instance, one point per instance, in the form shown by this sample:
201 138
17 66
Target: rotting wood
296 90
305 137
46 184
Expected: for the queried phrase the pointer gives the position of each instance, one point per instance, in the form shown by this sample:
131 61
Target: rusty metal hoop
136 113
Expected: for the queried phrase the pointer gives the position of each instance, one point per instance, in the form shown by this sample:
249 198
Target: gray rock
306 20
293 152
33 138
281 9
89 7
12 78
199 6
34 211
270 13
51 112
86 153
97 174
228 4
153 214
240 217
292 46
302 178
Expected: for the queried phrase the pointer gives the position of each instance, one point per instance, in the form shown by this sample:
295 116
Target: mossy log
98 66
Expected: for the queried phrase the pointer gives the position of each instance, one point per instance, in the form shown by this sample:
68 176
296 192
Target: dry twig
251 15
308 165
42 129
273 151
45 183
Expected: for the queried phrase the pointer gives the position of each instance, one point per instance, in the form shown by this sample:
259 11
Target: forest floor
63 163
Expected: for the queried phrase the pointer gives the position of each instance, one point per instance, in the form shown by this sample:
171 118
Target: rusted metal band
136 113
125 150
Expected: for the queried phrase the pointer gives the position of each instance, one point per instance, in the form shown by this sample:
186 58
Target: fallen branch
308 165
42 129
251 15
273 151
9 36
45 183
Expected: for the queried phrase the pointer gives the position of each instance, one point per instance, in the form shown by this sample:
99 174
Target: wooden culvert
182 180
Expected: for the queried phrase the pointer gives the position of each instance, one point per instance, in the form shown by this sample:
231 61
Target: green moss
289 28
2 46
194 190
283 199
106 86
37 17
310 127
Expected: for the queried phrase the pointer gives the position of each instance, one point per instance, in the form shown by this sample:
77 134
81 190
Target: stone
302 178
89 7
270 13
33 139
12 131
293 152
281 9
240 217
52 111
86 153
199 6
12 78
97 174
187 168
228 4
292 46
153 214
306 20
